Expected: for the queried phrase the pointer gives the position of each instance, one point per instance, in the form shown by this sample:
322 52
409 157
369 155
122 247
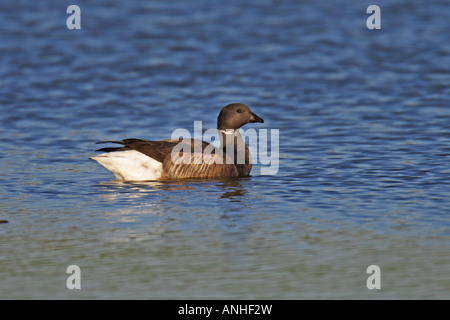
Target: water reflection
152 209
233 189
230 188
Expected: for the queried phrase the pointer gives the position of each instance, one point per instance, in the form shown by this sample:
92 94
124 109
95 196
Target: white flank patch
130 165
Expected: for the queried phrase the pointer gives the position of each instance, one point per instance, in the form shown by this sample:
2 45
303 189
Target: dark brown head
235 115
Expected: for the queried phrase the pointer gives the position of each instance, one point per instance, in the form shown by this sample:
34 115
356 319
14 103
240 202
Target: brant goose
140 160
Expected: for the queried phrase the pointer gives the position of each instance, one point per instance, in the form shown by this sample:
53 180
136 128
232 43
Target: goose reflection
233 189
230 188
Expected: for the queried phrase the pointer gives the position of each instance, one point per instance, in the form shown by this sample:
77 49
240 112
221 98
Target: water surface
364 124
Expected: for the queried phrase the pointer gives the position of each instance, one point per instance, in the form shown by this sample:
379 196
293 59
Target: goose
143 160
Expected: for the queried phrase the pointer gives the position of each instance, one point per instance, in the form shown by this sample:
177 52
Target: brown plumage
210 163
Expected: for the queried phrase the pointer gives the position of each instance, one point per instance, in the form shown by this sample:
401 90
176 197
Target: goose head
235 115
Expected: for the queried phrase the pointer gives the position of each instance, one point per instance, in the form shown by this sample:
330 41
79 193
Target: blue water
364 120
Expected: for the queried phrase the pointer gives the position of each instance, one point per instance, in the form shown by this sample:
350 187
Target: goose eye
239 110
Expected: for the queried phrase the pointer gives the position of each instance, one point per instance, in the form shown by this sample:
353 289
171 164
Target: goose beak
255 118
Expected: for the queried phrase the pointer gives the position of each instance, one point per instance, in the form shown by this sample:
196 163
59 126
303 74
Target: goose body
139 160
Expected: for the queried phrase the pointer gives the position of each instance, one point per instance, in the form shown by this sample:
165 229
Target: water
364 123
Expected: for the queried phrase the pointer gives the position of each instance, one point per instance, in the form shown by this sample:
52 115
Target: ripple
364 147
